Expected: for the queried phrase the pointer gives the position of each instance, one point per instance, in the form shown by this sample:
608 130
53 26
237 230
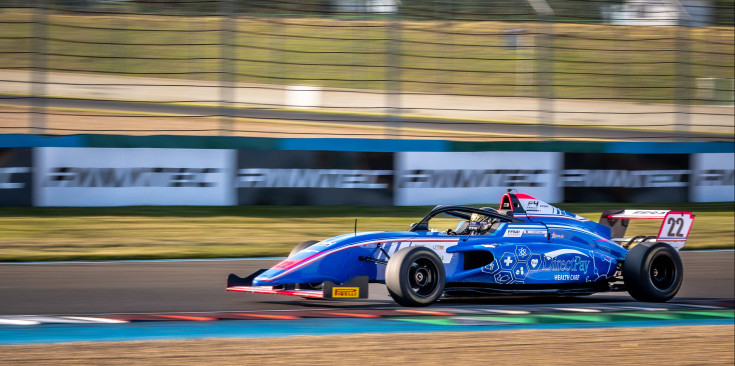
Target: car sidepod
523 254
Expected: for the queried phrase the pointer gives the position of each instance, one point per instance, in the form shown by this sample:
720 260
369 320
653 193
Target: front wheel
653 272
415 276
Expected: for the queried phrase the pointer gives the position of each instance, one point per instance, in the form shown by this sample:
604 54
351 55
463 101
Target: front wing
356 288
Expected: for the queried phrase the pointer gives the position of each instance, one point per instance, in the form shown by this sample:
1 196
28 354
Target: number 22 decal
675 222
676 226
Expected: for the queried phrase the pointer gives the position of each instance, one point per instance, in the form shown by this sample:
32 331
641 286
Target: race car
526 247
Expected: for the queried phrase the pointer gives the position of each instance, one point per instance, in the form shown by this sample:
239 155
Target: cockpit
462 220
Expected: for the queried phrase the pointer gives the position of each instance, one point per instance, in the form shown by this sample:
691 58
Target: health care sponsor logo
574 264
6 177
129 177
313 178
520 263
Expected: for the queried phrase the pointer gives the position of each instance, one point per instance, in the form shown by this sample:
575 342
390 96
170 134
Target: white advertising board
433 178
712 178
127 177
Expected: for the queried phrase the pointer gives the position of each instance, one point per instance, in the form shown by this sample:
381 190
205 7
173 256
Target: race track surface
199 286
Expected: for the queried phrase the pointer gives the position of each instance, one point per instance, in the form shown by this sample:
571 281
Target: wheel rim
422 277
662 272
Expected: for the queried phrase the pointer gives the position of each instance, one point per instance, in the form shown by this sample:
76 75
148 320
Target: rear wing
675 226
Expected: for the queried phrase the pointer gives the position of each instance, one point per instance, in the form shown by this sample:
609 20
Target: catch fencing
450 69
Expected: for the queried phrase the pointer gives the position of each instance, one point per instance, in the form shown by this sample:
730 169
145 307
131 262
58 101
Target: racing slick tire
301 246
415 276
653 272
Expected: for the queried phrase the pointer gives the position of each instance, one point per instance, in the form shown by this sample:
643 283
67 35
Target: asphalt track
83 288
465 126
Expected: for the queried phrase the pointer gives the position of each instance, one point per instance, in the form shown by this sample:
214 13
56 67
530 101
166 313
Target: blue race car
526 247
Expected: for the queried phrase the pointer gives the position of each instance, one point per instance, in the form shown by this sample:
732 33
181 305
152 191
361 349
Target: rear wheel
415 276
653 272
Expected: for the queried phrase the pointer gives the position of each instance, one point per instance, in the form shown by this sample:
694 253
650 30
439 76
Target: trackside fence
211 67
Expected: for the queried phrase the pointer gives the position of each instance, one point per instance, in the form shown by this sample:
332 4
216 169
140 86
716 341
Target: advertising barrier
430 178
73 176
125 177
625 177
713 178
16 178
314 178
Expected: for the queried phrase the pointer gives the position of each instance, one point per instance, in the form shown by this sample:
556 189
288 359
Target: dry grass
711 345
17 120
246 231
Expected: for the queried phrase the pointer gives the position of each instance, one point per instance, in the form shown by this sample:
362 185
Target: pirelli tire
415 276
653 272
301 246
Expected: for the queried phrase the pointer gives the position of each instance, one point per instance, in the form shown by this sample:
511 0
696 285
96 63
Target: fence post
227 73
38 66
683 72
545 68
393 73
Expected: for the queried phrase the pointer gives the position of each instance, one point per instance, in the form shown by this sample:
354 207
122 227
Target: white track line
50 319
18 322
579 310
642 308
95 320
701 306
507 312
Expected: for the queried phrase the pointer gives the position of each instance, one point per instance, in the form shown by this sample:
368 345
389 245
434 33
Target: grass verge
100 233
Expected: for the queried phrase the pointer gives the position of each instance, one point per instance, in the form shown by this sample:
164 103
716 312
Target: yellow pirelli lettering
346 292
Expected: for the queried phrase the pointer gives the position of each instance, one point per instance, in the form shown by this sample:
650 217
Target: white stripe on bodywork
559 252
581 230
320 256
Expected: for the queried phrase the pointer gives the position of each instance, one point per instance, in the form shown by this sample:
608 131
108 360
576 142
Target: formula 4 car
526 247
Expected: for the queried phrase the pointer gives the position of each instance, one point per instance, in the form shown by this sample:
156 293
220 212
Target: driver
477 225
